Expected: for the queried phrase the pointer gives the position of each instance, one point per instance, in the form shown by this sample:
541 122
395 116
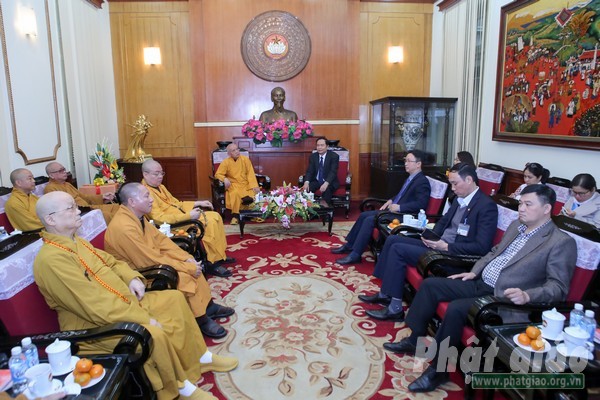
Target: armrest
433 261
264 182
348 181
161 276
195 231
371 203
135 336
216 184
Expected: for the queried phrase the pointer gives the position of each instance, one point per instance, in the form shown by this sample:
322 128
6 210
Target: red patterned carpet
299 330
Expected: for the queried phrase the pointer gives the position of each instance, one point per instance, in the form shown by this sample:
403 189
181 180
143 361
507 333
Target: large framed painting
548 82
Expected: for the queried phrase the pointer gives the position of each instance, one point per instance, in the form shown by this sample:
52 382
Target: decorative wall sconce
26 22
395 54
152 56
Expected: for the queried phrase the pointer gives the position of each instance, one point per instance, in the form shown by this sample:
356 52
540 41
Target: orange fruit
533 332
83 365
395 221
524 339
181 232
537 344
96 371
82 379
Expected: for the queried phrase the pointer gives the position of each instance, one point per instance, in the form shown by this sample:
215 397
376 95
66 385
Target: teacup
165 229
39 380
407 219
553 323
59 356
575 337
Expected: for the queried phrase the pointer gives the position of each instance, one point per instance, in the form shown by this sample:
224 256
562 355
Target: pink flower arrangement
278 131
286 203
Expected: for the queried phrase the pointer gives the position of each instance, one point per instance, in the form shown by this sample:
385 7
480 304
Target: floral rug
300 331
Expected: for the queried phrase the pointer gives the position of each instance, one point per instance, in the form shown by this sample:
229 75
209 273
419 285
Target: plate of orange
86 374
532 340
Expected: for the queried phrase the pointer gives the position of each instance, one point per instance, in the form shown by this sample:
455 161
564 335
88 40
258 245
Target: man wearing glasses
58 182
413 196
167 208
20 206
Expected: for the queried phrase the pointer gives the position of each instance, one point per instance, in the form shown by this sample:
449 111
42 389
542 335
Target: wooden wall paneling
180 176
364 164
513 179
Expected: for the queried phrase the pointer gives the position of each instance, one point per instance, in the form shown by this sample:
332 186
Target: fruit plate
547 345
70 379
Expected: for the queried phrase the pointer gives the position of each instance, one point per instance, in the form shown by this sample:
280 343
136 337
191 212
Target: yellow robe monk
82 302
167 208
93 201
142 247
241 174
20 210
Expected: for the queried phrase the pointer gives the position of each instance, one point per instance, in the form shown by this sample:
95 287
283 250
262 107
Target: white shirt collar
464 202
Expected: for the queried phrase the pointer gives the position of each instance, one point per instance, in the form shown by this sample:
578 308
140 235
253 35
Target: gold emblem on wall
275 46
135 151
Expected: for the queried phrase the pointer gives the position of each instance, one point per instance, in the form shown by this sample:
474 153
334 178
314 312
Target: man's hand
517 296
394 207
305 186
195 213
324 186
568 213
385 205
256 189
435 244
154 322
137 288
227 183
465 276
204 203
197 264
108 197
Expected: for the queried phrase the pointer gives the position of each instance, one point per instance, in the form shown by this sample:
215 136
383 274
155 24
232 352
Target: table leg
330 216
242 223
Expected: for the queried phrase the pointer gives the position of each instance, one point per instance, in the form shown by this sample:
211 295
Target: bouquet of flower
106 164
278 131
285 203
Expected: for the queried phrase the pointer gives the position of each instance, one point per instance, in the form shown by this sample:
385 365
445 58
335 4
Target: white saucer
74 360
580 352
556 338
547 345
56 386
70 380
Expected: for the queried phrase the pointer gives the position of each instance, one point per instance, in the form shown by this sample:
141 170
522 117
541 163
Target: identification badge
463 229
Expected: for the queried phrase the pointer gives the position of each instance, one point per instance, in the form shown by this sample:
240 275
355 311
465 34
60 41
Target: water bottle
588 324
422 219
3 234
493 192
18 365
151 222
576 315
30 351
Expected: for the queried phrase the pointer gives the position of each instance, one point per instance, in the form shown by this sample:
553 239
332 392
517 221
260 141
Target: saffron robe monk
20 206
167 208
89 288
131 238
58 182
237 174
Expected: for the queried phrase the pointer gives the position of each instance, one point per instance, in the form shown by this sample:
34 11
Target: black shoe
405 346
429 381
228 260
375 299
210 328
217 269
247 200
348 260
385 315
215 311
341 250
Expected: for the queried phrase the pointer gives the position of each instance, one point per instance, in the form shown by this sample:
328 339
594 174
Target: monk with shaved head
167 208
89 288
131 238
20 206
58 182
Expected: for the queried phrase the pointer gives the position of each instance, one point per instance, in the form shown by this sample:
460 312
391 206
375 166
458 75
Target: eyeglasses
574 193
73 207
59 171
158 173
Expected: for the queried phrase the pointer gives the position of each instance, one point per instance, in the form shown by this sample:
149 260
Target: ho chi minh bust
278 112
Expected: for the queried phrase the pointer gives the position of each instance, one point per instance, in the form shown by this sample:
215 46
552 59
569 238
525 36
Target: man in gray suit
534 262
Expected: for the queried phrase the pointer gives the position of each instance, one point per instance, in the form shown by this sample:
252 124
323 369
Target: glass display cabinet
402 124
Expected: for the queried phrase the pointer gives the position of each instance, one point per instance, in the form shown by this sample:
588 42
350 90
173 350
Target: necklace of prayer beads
88 270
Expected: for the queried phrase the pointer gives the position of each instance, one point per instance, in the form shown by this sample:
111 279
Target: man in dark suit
322 172
413 196
534 262
468 227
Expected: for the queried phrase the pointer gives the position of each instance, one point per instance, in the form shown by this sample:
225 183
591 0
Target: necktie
397 198
320 173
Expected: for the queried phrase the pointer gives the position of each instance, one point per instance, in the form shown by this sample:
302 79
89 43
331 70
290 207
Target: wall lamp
26 22
152 56
395 54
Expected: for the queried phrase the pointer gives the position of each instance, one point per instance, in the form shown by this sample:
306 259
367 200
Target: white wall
562 162
83 89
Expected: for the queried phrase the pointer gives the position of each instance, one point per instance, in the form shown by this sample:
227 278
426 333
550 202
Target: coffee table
324 213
